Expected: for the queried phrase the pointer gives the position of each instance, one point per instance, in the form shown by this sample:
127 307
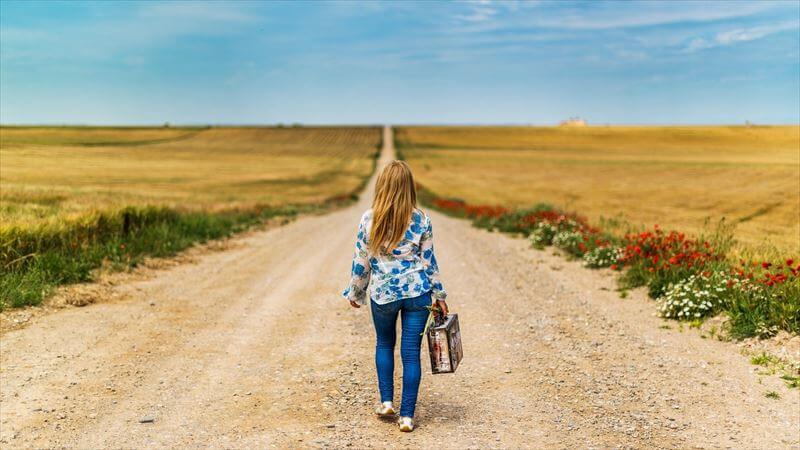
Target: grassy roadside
691 277
37 260
61 234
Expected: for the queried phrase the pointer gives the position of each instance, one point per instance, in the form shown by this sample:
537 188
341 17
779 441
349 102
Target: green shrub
602 257
694 297
569 241
758 310
543 234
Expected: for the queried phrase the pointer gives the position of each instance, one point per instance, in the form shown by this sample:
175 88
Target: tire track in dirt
253 347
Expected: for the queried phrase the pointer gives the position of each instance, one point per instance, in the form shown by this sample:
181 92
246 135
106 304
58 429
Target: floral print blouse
409 270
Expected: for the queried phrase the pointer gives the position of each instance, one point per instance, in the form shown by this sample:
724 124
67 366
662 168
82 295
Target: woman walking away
395 265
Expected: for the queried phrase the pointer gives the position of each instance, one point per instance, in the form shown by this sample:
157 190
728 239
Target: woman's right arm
356 291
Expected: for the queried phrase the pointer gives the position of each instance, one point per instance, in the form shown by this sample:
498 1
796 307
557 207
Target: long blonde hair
395 200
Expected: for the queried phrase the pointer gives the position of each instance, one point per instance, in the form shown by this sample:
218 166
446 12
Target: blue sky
400 62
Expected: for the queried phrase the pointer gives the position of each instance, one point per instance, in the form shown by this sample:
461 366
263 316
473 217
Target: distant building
573 122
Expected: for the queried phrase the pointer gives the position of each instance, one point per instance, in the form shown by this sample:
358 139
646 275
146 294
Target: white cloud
478 14
751 34
638 14
605 16
698 44
740 35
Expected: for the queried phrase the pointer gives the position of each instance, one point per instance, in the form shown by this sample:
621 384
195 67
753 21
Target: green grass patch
773 395
36 260
791 381
764 359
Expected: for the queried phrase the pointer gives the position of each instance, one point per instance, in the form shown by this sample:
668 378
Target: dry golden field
84 198
58 174
674 176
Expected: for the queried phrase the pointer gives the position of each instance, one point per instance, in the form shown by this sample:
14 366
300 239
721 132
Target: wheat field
678 177
75 200
58 174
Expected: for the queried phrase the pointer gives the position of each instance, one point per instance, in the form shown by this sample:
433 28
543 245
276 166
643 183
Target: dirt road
253 347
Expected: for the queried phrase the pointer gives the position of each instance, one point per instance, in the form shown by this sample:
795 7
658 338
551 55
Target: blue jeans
414 314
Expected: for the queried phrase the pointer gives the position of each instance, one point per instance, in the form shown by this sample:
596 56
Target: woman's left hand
354 304
443 306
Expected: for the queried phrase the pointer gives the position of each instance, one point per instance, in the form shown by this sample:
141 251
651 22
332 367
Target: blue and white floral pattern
409 270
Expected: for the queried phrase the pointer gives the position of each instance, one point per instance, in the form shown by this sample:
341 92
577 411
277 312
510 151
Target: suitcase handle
432 316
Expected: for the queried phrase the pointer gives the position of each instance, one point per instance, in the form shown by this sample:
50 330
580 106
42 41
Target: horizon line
376 124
